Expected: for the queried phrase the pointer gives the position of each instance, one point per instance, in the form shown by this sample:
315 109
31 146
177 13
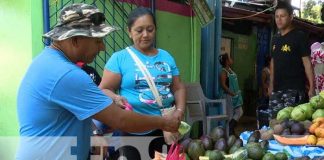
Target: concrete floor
246 124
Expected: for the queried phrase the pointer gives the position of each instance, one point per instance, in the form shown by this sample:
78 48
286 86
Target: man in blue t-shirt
57 99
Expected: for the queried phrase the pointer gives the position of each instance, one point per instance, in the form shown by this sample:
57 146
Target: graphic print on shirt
161 75
286 48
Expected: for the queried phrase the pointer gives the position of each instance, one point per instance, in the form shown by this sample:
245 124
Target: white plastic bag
169 137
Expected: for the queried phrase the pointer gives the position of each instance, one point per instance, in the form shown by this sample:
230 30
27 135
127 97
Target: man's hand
121 101
171 123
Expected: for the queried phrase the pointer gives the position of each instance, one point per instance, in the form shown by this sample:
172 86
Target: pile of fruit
313 132
216 146
258 150
317 132
307 111
301 125
308 158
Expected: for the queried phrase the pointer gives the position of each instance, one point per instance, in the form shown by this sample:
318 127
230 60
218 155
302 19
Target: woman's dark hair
139 12
285 5
223 58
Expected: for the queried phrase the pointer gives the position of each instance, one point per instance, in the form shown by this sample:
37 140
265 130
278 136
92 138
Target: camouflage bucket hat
80 20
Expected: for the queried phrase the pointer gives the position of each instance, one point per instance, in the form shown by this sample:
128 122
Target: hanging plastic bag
184 128
169 137
174 153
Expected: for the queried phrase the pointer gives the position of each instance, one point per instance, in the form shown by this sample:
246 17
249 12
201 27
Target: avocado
252 144
285 123
278 128
291 122
268 156
239 154
233 149
207 153
281 156
231 140
184 144
214 155
207 142
267 135
297 128
255 151
306 132
238 142
286 132
223 152
264 144
196 149
254 137
221 145
273 122
217 133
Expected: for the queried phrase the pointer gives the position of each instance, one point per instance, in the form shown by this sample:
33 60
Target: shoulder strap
227 73
147 76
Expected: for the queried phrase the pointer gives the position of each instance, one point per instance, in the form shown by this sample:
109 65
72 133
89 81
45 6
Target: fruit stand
292 151
296 134
297 131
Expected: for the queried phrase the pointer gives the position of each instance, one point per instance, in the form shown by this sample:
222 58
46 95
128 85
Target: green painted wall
180 36
15 43
20 40
244 50
37 27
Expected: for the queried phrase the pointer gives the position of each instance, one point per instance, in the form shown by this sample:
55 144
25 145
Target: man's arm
309 74
129 121
271 77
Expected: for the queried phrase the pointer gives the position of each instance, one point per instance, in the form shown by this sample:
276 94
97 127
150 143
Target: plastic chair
196 108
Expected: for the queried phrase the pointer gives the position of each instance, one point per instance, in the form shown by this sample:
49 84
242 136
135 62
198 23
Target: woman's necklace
61 52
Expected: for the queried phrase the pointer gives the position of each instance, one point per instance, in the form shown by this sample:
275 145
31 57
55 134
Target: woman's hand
178 114
120 101
171 124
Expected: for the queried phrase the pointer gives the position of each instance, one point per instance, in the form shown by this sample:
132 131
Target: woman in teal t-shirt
122 75
230 91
